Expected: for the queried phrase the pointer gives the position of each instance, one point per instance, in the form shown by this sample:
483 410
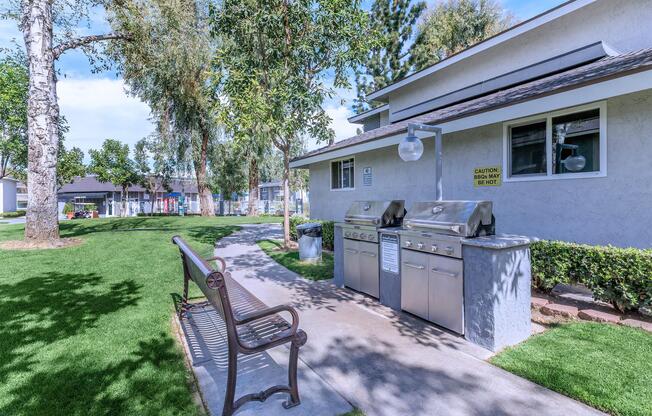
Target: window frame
507 162
330 173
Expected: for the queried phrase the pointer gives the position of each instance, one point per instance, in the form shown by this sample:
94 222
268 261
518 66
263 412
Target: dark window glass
576 136
336 175
528 149
342 174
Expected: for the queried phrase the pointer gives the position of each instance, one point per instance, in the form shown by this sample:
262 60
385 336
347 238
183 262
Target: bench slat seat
251 325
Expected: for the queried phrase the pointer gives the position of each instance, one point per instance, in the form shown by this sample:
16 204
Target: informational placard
389 252
487 176
366 176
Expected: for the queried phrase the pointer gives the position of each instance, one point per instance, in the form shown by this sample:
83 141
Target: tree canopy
454 25
111 163
272 64
14 82
392 23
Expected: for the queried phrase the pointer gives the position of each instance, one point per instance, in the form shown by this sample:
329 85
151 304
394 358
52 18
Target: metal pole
438 165
412 127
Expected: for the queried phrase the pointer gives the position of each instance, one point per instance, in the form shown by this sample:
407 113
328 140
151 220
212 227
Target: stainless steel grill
432 277
360 231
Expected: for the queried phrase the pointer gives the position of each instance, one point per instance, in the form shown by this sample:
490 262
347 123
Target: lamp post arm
412 128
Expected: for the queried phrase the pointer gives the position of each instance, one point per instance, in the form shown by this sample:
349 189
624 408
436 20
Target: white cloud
99 109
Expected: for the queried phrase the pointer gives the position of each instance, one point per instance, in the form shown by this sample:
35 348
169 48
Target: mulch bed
40 245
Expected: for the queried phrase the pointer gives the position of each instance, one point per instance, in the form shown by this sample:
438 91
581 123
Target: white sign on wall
366 176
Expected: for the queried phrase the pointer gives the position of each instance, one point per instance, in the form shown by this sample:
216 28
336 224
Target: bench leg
294 400
231 379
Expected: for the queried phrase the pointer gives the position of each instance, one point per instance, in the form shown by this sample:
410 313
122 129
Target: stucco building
574 83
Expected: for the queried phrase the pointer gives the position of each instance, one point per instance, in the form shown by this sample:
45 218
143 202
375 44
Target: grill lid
376 213
459 218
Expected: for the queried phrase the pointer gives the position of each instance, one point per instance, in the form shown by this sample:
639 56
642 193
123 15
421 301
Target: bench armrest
271 311
220 259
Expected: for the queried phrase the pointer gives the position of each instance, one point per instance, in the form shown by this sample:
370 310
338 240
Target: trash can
309 236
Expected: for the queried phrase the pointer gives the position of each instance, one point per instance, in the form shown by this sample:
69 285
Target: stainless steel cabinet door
369 278
414 283
446 293
351 264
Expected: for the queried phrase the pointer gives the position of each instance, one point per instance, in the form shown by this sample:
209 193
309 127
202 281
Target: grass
356 412
290 260
87 330
608 367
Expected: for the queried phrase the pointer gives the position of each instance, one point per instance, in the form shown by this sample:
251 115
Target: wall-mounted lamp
411 148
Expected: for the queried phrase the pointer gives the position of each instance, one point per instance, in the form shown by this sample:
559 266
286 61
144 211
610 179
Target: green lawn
87 330
290 260
606 366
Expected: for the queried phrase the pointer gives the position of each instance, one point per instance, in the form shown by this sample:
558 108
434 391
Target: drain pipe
411 149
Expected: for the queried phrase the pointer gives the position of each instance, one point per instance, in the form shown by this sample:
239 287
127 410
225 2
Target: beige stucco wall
616 209
622 24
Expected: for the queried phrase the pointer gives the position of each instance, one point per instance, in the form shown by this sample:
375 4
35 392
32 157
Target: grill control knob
355 235
420 246
370 237
408 244
347 234
363 236
449 250
434 247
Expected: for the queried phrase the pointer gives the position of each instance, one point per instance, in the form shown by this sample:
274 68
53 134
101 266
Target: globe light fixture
574 163
411 149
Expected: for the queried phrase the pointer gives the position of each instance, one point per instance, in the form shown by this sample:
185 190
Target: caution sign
488 176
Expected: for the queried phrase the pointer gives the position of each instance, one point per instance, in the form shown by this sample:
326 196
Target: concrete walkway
383 362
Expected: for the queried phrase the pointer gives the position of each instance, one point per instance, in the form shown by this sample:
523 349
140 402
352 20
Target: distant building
8 194
108 197
21 196
270 199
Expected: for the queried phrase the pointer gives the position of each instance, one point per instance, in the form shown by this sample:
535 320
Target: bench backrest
210 281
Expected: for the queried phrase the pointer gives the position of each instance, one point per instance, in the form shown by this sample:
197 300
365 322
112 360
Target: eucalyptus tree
50 28
230 175
392 23
453 25
278 60
14 82
167 64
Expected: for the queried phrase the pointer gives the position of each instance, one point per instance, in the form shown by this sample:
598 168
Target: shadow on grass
148 381
43 309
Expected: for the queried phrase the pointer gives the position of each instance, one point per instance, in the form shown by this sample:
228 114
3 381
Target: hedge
328 230
620 276
13 214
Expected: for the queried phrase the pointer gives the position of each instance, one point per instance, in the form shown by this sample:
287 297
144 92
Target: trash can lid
309 225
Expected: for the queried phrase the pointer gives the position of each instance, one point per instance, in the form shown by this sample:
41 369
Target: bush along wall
328 230
620 276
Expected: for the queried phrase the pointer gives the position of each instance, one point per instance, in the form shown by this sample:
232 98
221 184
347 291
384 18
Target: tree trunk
286 196
125 199
205 195
151 211
42 124
252 208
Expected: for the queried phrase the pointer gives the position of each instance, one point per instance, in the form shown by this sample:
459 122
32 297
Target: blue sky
97 106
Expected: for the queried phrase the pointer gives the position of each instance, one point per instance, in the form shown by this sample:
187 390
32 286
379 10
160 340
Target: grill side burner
432 280
360 243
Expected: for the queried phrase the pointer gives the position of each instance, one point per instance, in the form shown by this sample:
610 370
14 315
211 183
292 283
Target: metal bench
252 327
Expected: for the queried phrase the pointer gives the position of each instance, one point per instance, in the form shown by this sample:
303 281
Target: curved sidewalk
383 362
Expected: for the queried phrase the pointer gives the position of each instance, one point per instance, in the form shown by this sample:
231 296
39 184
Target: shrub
620 276
328 230
13 214
68 207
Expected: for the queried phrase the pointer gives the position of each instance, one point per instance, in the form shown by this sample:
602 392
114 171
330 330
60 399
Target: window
564 144
342 174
